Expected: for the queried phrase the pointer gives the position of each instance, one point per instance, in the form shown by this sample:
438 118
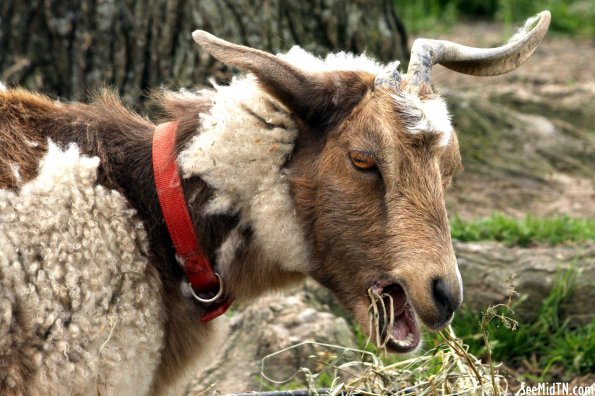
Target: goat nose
445 299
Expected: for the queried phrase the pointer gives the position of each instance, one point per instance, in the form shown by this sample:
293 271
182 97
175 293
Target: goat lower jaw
404 336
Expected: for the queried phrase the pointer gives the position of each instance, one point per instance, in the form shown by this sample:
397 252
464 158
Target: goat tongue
405 335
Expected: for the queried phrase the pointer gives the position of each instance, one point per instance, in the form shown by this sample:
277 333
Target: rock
266 327
485 267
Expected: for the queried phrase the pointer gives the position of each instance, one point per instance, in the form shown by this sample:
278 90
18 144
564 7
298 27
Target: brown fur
389 225
19 144
365 228
122 140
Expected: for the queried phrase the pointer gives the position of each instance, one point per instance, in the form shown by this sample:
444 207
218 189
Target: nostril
443 296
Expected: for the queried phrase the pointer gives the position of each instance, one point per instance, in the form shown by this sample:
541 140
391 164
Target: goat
334 169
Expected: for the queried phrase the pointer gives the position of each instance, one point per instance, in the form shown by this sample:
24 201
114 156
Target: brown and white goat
334 169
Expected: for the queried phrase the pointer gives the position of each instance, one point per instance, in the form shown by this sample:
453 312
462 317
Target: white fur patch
16 172
429 115
240 151
334 62
77 309
2 86
227 251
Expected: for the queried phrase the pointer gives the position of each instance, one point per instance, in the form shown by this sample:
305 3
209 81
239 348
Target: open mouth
396 325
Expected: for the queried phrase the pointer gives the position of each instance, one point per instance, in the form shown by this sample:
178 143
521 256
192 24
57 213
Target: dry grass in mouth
380 316
447 369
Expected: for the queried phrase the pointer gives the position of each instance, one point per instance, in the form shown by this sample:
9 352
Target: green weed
524 232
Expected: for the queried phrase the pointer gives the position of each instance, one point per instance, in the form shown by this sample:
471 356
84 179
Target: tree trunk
67 48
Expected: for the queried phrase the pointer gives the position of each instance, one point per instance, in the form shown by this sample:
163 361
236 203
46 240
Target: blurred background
522 212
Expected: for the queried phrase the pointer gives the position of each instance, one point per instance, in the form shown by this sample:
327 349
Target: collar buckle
208 300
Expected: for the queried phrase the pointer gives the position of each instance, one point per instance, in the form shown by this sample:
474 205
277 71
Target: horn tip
545 14
542 19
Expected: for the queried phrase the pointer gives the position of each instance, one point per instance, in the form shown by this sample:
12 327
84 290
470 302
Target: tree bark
67 48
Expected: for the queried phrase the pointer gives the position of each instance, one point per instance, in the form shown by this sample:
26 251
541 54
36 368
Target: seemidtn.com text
556 388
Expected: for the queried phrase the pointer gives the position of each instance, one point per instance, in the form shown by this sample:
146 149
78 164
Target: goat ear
314 97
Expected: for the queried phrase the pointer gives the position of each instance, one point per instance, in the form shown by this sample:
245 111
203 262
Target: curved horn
425 53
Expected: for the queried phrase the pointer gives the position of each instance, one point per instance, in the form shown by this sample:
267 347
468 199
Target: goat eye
362 160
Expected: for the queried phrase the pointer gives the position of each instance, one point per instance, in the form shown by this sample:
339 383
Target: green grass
547 342
524 232
569 16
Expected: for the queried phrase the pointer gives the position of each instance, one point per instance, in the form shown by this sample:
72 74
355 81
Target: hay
447 369
378 311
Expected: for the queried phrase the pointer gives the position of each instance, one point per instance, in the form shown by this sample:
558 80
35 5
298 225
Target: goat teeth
407 342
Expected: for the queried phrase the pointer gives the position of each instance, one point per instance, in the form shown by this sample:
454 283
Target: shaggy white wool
244 141
430 115
16 172
333 62
79 314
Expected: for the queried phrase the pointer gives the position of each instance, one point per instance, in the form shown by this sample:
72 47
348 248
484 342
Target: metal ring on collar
208 300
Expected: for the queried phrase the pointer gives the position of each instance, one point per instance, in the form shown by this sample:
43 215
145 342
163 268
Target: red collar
201 277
